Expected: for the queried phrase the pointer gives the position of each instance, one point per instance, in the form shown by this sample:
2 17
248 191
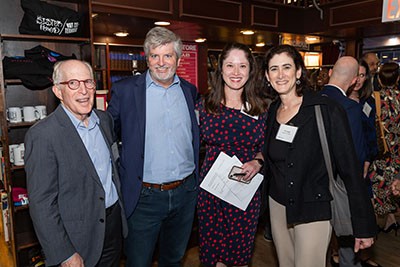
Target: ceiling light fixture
162 23
393 41
247 32
311 38
121 34
200 40
260 44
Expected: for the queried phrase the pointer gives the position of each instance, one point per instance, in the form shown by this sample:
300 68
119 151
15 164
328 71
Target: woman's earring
298 82
268 84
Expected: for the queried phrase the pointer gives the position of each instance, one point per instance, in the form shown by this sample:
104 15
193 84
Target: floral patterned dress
384 170
226 233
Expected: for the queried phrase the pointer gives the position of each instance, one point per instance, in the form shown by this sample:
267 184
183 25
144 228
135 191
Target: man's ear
57 92
179 62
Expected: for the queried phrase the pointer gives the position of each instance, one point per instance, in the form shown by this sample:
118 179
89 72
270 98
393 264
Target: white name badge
197 113
367 109
286 133
243 112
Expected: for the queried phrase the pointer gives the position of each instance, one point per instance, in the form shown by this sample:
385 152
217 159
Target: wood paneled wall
259 14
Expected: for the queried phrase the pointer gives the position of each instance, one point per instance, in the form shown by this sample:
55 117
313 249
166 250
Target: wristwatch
260 161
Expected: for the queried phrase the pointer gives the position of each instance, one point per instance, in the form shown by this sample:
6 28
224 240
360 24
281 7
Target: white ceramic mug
11 151
14 114
40 112
29 113
19 152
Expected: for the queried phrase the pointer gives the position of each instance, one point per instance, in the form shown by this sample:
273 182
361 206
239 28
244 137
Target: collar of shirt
150 81
93 119
340 89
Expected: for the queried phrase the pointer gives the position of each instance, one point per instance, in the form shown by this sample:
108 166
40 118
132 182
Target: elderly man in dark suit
155 117
73 183
344 75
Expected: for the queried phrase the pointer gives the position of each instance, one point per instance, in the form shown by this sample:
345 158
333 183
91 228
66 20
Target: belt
166 186
110 209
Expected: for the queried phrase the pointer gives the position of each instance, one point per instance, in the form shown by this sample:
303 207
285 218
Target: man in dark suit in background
344 75
72 178
154 115
373 64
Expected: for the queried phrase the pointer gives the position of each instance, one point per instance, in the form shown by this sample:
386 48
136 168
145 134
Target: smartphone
237 174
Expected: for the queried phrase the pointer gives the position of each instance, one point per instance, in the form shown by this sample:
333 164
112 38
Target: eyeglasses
74 84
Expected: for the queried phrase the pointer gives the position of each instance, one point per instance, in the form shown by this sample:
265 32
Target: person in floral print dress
384 170
232 118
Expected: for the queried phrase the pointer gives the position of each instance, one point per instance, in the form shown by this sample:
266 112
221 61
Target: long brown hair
251 93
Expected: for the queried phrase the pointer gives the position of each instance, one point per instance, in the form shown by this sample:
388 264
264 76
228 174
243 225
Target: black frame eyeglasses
74 84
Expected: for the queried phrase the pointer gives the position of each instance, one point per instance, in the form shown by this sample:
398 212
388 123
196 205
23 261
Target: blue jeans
166 216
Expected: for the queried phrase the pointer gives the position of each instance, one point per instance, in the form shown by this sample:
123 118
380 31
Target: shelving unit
113 62
13 93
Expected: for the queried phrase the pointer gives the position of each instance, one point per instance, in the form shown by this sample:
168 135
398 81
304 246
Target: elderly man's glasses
74 84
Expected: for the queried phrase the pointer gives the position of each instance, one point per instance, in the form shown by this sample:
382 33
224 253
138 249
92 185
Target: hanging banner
390 10
188 65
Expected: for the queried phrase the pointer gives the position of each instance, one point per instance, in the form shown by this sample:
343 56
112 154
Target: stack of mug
26 113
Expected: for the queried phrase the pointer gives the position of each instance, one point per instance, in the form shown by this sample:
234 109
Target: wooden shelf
15 168
12 82
20 208
21 124
43 38
26 240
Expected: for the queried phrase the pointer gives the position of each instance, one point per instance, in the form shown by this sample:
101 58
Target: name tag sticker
248 107
367 109
197 113
286 133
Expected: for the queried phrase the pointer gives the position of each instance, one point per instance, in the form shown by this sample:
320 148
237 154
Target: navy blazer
128 109
354 115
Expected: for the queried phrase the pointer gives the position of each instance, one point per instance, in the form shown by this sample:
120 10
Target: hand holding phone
237 174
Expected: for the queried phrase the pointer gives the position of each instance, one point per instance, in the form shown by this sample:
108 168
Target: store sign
300 44
390 10
188 65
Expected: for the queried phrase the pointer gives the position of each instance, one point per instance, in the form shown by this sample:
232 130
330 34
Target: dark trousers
110 257
166 216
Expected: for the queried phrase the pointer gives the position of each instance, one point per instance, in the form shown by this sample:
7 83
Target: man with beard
155 118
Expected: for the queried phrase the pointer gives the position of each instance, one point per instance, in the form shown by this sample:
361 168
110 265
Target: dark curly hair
298 62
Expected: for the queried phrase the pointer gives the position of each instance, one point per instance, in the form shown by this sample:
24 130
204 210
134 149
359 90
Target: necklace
286 107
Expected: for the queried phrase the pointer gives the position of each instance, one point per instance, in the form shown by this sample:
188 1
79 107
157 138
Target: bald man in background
342 77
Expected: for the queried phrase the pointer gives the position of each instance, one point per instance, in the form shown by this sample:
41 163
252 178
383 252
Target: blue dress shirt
169 154
99 153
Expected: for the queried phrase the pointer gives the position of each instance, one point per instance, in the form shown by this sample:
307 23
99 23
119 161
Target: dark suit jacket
65 193
305 176
128 108
354 115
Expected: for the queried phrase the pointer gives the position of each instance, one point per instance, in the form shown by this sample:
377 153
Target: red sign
188 65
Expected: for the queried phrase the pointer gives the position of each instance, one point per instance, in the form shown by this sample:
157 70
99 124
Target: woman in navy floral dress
227 233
